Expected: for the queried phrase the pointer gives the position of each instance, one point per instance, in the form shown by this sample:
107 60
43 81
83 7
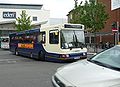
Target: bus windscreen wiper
77 43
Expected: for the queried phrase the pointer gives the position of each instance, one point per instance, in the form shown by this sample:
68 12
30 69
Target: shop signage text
9 14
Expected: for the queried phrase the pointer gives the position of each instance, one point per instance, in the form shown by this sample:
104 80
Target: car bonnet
83 73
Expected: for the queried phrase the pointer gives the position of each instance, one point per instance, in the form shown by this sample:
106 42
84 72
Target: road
18 71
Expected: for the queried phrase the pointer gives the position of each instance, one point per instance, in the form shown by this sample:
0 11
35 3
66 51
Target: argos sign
9 15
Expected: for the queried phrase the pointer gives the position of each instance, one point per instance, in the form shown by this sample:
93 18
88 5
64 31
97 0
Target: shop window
86 39
92 40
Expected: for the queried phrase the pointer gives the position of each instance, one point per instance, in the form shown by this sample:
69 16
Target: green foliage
23 22
92 15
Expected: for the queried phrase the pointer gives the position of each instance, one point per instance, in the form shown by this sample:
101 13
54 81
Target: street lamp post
117 32
76 2
118 23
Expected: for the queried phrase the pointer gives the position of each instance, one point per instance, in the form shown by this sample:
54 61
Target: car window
110 57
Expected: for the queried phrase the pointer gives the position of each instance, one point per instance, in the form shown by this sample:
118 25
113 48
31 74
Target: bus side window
54 37
42 37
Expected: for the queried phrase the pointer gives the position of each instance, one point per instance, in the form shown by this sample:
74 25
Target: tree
92 14
23 22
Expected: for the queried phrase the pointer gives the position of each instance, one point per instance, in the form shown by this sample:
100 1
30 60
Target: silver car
102 70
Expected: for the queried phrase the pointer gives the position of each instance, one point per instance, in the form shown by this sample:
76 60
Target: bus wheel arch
41 56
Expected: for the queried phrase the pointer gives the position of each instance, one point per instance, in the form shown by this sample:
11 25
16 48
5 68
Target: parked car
102 70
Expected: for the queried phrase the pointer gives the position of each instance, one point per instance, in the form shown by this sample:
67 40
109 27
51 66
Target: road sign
114 29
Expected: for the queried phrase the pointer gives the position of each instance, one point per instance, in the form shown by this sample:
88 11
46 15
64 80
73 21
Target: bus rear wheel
41 56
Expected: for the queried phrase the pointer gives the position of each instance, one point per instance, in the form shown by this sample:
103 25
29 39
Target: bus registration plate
76 57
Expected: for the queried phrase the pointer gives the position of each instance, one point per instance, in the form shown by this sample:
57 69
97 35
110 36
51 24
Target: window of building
34 18
54 37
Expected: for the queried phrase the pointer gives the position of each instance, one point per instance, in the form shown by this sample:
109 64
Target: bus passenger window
41 37
54 37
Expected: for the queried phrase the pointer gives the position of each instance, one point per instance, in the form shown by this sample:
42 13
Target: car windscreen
109 58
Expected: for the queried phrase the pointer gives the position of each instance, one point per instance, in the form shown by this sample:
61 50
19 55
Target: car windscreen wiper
96 62
77 43
104 65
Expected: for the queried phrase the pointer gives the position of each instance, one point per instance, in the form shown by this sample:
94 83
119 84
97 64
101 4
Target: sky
58 8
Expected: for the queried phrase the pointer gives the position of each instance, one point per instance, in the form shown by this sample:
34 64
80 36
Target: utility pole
118 32
118 24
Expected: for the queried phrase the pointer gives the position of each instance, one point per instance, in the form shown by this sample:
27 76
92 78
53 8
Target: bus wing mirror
42 41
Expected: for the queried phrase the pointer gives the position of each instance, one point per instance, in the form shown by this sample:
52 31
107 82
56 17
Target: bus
5 42
64 42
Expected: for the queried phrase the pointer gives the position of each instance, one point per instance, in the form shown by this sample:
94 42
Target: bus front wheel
41 56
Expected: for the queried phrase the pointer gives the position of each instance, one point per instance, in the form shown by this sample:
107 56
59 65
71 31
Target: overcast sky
58 8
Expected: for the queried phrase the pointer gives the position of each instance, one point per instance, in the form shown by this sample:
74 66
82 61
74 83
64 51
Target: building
55 21
106 34
9 13
114 16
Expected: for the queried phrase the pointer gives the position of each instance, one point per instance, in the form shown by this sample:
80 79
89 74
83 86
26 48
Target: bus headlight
84 54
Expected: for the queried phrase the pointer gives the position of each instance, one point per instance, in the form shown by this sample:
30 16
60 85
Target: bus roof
46 28
64 26
25 32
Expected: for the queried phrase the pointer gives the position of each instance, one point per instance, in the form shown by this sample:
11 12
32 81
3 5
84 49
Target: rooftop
21 6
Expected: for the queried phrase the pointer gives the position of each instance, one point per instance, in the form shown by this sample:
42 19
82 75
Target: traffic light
114 26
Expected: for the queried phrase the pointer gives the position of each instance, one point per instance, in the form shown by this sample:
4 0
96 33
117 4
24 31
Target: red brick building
106 34
114 16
